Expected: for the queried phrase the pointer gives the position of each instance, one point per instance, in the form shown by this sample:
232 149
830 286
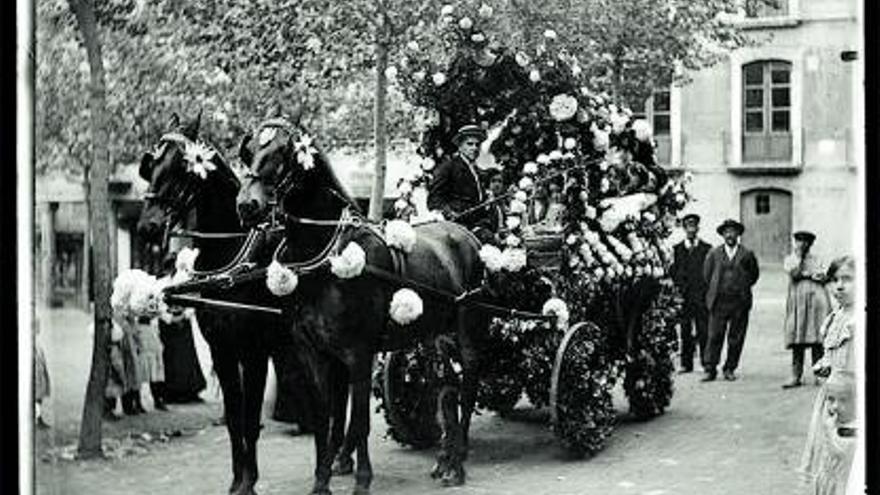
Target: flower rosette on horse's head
137 294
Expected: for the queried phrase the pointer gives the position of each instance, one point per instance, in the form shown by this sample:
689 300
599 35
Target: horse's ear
244 152
173 121
146 168
192 129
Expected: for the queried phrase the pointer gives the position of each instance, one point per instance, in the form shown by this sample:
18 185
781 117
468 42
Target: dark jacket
454 189
744 270
687 270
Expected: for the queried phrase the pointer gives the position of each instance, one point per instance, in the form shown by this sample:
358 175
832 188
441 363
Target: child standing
830 444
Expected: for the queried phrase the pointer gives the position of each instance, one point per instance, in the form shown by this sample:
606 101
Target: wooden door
766 215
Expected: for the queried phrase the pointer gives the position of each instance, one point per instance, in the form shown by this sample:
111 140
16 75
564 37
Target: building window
766 8
762 204
766 111
657 110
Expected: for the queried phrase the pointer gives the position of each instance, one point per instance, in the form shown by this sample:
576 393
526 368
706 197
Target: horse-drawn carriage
464 323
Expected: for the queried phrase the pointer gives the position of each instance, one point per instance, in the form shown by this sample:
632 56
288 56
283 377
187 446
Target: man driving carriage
456 186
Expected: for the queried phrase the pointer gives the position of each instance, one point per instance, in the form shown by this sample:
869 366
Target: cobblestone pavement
720 438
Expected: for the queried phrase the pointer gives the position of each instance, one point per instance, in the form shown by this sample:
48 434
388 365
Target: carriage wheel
581 410
410 400
649 371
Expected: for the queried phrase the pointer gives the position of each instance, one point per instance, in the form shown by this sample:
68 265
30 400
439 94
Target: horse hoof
452 477
361 490
437 470
234 486
342 466
321 490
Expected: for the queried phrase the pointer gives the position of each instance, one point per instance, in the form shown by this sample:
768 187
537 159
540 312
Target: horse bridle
182 195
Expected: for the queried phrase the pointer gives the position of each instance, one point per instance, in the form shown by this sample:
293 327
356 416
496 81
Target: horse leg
255 368
468 322
448 468
226 366
341 444
319 390
360 432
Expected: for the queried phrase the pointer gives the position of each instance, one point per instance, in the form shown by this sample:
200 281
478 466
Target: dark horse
346 321
240 342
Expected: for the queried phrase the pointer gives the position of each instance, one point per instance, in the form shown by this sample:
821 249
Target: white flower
198 158
530 168
427 164
439 78
522 59
446 10
534 75
400 235
280 280
601 139
658 272
680 198
412 45
517 207
550 34
478 37
465 23
485 11
555 155
401 204
512 222
514 259
313 44
391 72
404 188
563 107
491 257
145 299
543 159
186 260
643 130
569 143
512 241
649 217
605 185
406 307
220 116
521 196
618 121
350 263
557 307
576 70
526 184
571 240
419 75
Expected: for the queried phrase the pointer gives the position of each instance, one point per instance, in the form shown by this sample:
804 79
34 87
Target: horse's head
180 170
281 162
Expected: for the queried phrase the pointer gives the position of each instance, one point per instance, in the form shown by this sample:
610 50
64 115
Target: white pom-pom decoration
406 307
557 307
514 259
186 259
350 263
491 257
280 280
400 235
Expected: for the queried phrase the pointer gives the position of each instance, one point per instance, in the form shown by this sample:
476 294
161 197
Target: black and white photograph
397 247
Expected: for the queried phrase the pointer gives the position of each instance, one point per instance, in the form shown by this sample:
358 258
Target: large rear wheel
582 412
410 398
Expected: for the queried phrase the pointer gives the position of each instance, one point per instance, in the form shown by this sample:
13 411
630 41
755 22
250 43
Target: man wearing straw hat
731 270
455 187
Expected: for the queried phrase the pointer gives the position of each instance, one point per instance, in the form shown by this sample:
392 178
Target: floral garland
620 209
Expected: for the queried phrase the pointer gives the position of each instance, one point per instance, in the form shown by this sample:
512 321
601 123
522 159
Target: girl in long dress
828 453
806 307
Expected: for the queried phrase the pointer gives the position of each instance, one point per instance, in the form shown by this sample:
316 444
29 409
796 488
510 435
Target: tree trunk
379 127
98 201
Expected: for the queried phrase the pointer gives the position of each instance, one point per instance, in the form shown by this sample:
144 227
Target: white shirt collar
731 251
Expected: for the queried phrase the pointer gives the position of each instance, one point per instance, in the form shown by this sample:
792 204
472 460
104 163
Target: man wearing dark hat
455 186
807 305
687 272
731 270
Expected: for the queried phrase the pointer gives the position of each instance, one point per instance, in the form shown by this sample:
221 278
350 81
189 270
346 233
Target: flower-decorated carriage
604 265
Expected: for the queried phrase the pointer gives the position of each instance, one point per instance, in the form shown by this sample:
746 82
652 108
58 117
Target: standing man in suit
731 270
687 272
456 186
